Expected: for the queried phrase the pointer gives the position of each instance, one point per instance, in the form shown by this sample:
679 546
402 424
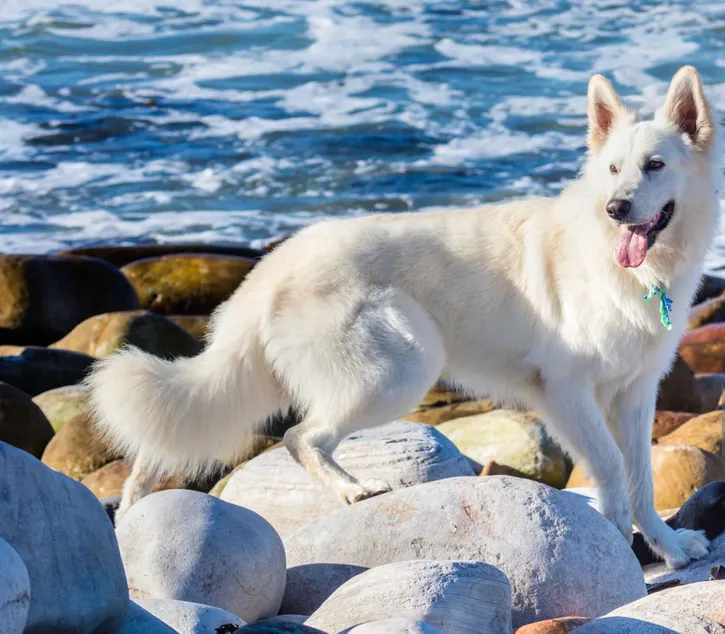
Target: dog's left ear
688 109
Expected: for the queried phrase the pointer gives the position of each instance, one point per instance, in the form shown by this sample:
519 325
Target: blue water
214 120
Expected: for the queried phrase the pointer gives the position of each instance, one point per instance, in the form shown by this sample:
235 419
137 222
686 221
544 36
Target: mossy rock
62 404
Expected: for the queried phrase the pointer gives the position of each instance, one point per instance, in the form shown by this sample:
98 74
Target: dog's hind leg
138 485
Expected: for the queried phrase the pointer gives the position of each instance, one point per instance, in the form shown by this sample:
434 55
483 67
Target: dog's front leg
573 414
631 423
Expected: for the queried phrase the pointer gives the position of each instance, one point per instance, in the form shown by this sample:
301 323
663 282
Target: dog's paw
686 546
368 489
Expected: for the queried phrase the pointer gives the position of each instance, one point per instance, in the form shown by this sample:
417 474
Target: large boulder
398 625
192 618
704 431
466 597
711 311
400 453
678 390
666 422
186 284
711 387
140 621
42 298
513 439
704 348
37 370
64 537
561 556
22 423
190 546
14 590
102 335
63 404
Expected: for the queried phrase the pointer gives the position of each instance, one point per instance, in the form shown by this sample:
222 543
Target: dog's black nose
618 208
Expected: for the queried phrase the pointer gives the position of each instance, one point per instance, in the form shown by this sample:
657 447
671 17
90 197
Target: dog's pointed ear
688 109
603 108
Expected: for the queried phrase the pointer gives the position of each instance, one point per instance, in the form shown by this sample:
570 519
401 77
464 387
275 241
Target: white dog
539 301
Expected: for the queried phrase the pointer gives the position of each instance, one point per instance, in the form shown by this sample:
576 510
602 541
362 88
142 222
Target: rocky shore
489 528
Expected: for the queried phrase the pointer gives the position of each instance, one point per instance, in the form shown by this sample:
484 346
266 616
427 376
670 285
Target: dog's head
655 178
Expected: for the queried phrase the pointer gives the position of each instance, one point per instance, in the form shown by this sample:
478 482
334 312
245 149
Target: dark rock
38 370
22 423
678 390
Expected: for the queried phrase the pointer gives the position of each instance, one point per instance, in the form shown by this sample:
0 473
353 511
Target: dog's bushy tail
185 415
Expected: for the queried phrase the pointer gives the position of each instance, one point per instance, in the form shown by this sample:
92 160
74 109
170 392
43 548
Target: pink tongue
632 246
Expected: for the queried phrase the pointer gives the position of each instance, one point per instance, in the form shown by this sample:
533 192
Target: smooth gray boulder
697 608
561 556
394 626
309 585
67 543
14 590
140 621
466 597
400 453
191 546
186 617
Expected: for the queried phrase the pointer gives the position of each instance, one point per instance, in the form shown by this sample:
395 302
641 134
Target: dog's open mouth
635 240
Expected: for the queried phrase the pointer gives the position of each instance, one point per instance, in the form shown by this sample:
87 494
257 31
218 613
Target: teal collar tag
665 304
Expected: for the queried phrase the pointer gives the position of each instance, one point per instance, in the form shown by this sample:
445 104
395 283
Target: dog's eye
654 165
613 169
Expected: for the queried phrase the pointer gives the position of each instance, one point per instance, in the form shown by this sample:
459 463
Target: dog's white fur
352 321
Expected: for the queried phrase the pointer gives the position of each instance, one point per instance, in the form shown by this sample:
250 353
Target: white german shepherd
538 301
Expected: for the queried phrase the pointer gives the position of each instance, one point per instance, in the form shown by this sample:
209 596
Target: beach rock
63 404
102 335
186 284
14 590
77 450
513 439
394 626
666 422
710 286
678 391
563 625
309 585
278 627
140 621
186 617
712 388
704 431
698 608
560 556
195 325
437 415
121 255
42 298
711 311
400 453
466 597
190 546
22 423
38 370
440 395
704 348
658 574
62 534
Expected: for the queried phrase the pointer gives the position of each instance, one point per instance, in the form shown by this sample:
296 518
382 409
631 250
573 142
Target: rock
11 351
68 545
102 335
704 348
278 627
195 325
692 609
492 468
22 423
712 388
309 585
678 472
186 284
440 395
287 618
678 391
560 556
437 415
553 626
400 453
45 297
140 621
704 431
711 286
711 311
38 370
63 404
186 617
394 626
658 574
666 422
513 439
14 590
110 505
77 450
190 546
466 597
122 255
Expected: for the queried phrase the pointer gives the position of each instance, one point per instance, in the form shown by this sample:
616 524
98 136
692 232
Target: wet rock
437 415
678 391
38 370
560 556
22 423
42 298
186 617
186 284
704 431
63 404
190 546
102 335
553 626
711 311
309 585
394 626
77 450
196 325
68 546
14 590
402 454
465 597
513 439
666 422
704 348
